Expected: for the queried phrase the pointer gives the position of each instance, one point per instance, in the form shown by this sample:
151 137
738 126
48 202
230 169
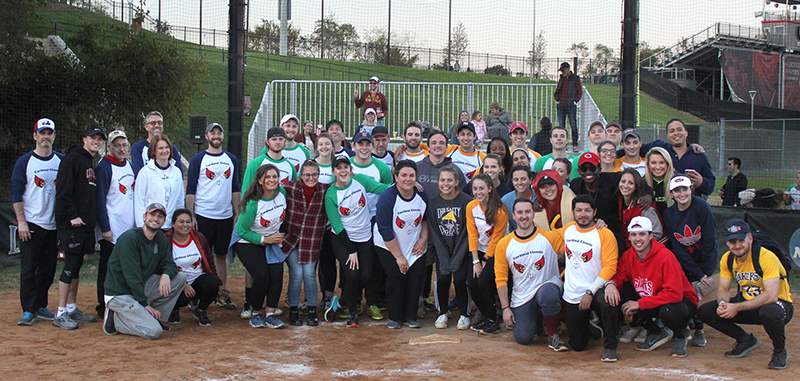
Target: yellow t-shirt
745 274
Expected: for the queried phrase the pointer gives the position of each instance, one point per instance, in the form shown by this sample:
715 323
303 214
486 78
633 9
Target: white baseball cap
369 111
287 117
640 224
43 124
679 181
376 79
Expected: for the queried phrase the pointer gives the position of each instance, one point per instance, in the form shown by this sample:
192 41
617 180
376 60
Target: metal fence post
722 160
471 97
783 143
293 98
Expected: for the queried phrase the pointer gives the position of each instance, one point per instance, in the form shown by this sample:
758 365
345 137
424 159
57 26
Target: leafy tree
581 50
339 42
539 49
376 49
497 70
266 38
603 55
648 57
456 47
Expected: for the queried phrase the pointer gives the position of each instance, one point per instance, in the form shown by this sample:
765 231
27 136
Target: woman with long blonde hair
658 173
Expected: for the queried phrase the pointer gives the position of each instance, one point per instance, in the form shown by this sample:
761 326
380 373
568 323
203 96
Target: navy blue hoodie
692 233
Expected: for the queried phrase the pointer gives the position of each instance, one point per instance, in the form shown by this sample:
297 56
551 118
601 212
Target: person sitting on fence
373 99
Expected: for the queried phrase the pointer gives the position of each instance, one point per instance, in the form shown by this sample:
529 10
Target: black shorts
217 232
76 241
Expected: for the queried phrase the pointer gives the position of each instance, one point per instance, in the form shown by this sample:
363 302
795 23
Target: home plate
435 339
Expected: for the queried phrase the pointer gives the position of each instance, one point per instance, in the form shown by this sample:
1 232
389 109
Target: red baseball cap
517 125
589 157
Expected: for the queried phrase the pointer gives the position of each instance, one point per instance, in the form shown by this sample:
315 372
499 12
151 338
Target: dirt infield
231 350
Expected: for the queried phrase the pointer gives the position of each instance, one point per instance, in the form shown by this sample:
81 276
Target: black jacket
76 189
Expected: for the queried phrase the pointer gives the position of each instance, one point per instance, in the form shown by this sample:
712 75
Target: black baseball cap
546 180
464 125
276 132
630 132
379 131
736 229
94 130
363 135
212 126
340 161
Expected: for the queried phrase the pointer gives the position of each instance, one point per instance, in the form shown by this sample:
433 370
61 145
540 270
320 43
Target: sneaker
312 317
393 324
453 305
273 322
631 334
278 312
609 355
441 322
79 317
414 324
463 323
247 311
64 321
164 327
28 318
491 327
352 321
109 328
202 317
174 317
330 310
779 360
304 309
477 327
742 348
555 343
374 312
654 341
45 314
344 313
294 318
699 338
429 304
382 305
641 337
678 347
257 321
225 301
193 304
595 331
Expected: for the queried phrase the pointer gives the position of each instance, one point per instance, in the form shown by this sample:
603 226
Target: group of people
616 234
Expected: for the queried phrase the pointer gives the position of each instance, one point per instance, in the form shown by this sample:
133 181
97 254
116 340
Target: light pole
389 36
532 52
752 98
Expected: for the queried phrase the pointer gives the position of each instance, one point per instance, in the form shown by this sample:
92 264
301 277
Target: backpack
761 239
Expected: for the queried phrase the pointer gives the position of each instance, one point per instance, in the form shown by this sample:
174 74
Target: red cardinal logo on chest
284 180
587 256
400 223
470 174
539 264
344 211
38 181
519 267
283 215
689 237
489 232
418 220
362 201
123 189
265 223
227 173
210 175
568 252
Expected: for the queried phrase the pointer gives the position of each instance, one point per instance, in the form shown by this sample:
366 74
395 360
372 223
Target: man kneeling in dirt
143 284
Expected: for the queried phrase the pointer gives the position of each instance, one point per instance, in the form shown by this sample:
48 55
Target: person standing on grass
735 183
568 93
154 125
33 185
192 256
76 217
143 283
558 139
373 99
401 238
262 212
115 209
296 153
447 218
212 193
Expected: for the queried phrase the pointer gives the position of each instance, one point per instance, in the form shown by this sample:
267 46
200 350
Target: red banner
791 83
746 71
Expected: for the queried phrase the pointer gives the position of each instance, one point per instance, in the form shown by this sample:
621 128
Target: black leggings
326 264
38 258
358 279
402 290
267 278
773 316
206 287
483 288
459 279
102 268
578 322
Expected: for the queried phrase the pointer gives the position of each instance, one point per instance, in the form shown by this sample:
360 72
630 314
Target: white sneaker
441 322
278 312
463 323
629 335
641 337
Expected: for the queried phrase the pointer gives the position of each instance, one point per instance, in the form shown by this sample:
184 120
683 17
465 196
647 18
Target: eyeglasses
607 150
120 145
310 175
156 123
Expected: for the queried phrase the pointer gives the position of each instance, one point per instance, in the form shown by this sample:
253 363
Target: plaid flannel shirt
305 224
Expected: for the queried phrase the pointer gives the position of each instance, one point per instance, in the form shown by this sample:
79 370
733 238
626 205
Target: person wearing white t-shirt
412 139
296 153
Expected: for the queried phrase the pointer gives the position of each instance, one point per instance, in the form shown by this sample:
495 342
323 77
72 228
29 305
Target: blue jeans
569 110
305 274
547 300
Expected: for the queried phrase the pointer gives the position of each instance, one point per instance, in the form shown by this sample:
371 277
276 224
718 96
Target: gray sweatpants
131 318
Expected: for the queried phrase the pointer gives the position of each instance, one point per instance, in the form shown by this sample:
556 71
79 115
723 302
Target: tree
648 57
497 70
603 55
581 50
539 49
265 38
338 42
456 47
376 49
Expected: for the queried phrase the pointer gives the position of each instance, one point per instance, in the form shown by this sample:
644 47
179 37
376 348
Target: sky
497 27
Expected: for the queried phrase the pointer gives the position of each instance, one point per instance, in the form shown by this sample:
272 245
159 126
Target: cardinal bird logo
196 264
587 256
569 253
539 264
123 189
133 186
400 223
283 215
39 182
283 181
362 201
344 211
418 220
470 174
519 267
227 174
489 232
265 223
179 268
689 237
210 175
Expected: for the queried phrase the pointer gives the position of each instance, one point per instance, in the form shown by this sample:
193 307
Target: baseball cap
463 125
589 157
596 123
379 131
679 181
374 78
44 123
94 130
212 125
287 117
640 224
736 229
546 180
332 121
614 123
276 132
363 135
340 161
517 125
116 134
630 132
156 206
564 65
369 111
